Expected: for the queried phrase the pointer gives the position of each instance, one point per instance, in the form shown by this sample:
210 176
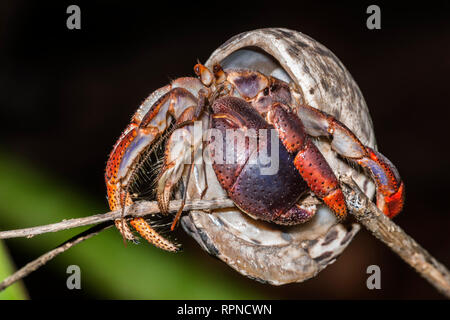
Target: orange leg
149 123
390 188
309 162
149 234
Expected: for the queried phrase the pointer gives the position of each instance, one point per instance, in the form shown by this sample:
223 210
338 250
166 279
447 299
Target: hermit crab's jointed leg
390 188
178 101
180 151
309 162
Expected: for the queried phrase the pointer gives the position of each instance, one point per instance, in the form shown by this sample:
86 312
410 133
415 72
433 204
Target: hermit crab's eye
266 91
197 70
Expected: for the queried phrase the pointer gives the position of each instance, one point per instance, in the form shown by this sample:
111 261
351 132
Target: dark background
67 94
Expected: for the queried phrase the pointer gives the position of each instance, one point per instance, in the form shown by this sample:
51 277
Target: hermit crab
274 89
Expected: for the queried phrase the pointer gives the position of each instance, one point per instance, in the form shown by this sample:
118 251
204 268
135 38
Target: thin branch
138 209
359 205
39 262
383 228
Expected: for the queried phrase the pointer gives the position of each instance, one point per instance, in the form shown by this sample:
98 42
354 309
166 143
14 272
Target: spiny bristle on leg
152 236
141 185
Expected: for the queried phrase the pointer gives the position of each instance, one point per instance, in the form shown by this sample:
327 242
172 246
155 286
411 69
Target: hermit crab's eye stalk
206 76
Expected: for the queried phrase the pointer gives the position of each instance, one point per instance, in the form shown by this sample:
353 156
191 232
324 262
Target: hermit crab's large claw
272 97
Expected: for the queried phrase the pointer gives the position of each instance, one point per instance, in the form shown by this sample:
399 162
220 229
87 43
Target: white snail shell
268 252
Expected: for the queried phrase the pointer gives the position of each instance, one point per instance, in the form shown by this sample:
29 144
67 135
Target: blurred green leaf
28 197
16 291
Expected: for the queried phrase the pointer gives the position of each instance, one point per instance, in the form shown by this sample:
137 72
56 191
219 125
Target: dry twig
364 210
39 262
138 209
383 228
